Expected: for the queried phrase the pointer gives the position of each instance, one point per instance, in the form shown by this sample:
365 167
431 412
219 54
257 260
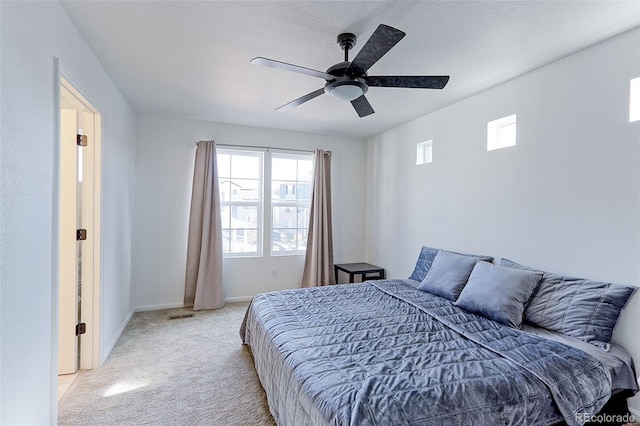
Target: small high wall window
424 152
501 133
634 100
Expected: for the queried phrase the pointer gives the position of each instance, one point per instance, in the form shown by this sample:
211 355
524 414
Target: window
290 202
240 179
501 133
249 190
424 152
634 100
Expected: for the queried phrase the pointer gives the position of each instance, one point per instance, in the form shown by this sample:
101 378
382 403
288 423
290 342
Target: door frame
91 205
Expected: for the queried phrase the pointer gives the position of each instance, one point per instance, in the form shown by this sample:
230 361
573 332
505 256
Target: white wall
32 35
164 171
565 199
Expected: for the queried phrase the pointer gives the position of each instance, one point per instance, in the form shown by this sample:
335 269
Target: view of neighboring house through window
290 202
240 178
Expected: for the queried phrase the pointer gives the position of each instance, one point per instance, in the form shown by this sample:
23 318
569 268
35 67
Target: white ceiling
191 58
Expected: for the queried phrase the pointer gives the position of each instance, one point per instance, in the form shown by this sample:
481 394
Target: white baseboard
105 354
158 307
238 299
180 305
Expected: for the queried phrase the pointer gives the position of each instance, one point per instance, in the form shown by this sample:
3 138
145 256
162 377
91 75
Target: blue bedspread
384 353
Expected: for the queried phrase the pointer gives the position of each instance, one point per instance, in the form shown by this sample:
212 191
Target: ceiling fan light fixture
347 89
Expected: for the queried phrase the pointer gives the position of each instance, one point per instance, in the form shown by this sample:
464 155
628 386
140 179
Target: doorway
79 233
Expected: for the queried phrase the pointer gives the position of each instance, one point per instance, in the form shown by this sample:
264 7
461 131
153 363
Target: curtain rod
265 147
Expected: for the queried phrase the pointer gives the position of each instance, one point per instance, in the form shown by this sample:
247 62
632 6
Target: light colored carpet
192 371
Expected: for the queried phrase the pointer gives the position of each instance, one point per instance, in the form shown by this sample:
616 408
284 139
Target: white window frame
259 204
292 204
424 152
495 133
634 100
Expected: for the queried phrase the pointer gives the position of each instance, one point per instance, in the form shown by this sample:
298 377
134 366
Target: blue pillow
425 259
448 274
584 309
498 293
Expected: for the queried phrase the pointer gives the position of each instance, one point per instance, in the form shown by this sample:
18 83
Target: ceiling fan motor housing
345 87
339 70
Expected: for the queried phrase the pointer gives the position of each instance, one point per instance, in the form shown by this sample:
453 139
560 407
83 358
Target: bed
400 352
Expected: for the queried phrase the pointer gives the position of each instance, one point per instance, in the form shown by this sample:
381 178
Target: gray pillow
449 273
425 259
577 307
498 293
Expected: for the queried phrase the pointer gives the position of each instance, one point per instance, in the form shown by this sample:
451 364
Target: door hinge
81 234
81 328
81 140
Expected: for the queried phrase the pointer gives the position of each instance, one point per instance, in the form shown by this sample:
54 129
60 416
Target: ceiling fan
348 81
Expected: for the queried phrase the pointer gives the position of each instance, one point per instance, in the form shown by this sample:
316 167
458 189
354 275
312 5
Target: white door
79 205
68 258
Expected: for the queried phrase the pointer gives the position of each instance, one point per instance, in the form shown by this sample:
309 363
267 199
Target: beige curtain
318 264
203 281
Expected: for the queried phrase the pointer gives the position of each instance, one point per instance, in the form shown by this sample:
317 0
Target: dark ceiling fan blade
289 67
380 42
301 100
413 82
362 106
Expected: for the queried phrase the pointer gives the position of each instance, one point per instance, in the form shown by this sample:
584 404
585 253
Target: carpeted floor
191 371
